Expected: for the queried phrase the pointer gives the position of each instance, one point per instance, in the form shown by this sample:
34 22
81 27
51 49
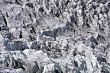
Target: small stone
41 9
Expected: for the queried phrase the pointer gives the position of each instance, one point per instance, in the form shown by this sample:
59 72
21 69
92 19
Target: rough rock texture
54 36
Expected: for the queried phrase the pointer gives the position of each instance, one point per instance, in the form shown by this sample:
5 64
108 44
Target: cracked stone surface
54 36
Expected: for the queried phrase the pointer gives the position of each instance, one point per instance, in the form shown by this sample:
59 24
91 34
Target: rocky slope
54 36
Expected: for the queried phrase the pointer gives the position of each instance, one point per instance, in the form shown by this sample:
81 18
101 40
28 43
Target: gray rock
16 45
54 36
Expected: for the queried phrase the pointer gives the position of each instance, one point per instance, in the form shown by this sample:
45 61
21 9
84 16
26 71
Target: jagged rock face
54 36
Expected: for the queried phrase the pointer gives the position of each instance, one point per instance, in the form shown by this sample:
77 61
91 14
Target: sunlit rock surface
54 36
